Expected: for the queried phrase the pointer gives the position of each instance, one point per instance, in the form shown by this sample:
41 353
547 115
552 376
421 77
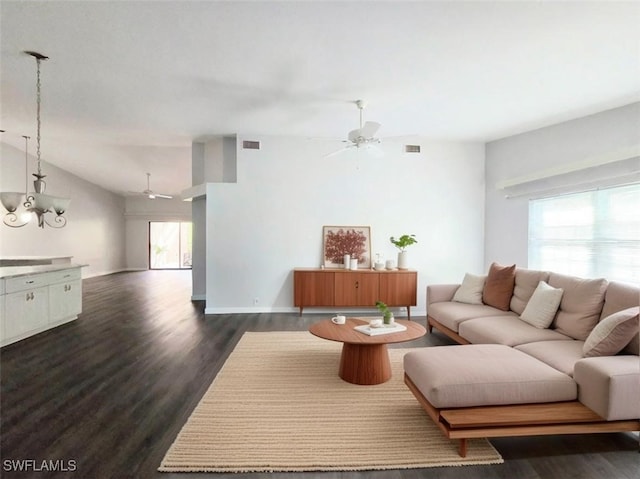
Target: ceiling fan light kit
36 204
362 137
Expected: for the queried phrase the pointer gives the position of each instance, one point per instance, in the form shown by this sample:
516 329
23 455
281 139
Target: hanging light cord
38 115
26 166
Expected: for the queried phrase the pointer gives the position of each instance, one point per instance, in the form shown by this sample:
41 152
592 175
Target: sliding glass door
169 245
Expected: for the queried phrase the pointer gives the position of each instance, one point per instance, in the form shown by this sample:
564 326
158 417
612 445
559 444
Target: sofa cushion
470 291
507 330
451 314
560 355
526 281
610 386
581 304
498 287
612 334
543 305
621 296
484 374
634 346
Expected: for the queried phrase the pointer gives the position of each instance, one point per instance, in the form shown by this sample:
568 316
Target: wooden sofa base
517 420
432 323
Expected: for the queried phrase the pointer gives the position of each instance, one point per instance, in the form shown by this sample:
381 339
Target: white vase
403 260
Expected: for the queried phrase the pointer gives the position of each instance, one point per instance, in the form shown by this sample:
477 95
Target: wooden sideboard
354 288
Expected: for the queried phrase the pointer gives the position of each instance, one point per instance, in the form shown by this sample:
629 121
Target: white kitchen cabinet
37 298
65 300
2 301
26 311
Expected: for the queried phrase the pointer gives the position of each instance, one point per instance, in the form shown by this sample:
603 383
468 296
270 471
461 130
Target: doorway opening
170 245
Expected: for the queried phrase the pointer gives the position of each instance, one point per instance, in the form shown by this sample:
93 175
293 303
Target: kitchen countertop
33 260
15 271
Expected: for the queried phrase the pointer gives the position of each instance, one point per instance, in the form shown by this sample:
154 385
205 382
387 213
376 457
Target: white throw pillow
470 291
543 305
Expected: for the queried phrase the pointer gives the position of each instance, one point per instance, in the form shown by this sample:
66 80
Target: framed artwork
340 240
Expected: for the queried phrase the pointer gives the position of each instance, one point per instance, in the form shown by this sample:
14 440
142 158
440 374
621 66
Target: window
589 234
169 245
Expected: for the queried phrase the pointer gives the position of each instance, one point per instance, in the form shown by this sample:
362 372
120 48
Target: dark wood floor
109 392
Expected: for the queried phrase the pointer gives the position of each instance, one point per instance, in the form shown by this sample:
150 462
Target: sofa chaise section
607 386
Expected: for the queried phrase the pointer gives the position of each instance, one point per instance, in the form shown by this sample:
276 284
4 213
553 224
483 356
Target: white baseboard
105 273
398 312
248 310
198 297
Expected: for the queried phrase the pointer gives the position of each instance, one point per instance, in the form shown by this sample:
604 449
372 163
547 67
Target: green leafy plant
404 241
384 309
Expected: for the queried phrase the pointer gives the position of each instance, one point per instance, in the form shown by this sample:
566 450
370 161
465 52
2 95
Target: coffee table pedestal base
365 364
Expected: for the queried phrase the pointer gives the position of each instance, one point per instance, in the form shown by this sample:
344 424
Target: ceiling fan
362 137
149 193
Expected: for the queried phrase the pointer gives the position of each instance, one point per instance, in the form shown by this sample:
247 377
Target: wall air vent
250 145
412 148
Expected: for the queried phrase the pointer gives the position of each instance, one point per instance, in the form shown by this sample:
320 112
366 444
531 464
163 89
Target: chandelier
35 204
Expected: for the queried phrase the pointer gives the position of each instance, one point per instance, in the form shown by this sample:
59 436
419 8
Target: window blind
588 234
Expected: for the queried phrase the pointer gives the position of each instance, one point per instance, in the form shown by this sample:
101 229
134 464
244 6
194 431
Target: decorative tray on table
384 329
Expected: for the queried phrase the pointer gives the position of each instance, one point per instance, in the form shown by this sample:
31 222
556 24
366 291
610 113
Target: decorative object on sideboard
379 263
36 203
402 243
339 241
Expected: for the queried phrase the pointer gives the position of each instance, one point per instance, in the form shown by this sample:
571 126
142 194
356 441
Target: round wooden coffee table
364 359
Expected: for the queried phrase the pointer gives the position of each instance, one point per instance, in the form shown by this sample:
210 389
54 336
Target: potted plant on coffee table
402 243
387 315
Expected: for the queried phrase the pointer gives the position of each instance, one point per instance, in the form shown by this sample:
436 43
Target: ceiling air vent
412 148
250 145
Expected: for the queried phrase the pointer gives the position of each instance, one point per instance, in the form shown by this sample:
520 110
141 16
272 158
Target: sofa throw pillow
612 334
498 287
581 305
526 283
470 291
542 307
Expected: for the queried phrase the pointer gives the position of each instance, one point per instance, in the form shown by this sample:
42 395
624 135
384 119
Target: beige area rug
278 405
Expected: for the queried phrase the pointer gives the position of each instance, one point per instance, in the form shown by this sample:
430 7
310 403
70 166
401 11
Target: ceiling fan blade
374 150
167 197
337 152
369 129
354 134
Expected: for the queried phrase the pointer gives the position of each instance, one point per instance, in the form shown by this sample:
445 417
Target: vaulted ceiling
129 85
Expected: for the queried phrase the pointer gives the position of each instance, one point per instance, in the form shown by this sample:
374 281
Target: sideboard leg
409 313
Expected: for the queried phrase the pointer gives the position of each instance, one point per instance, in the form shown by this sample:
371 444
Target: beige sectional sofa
560 360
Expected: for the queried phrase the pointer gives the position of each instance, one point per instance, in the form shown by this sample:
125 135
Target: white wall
138 213
270 222
94 234
566 143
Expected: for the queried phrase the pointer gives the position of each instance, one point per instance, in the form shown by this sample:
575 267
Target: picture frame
340 240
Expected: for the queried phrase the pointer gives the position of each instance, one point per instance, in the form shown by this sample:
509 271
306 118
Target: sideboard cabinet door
313 288
399 289
356 289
